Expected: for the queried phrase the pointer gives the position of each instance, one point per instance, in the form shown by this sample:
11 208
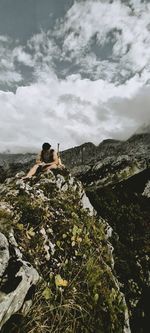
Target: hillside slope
58 234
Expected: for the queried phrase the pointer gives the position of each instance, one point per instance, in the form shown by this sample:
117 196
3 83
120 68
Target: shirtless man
47 159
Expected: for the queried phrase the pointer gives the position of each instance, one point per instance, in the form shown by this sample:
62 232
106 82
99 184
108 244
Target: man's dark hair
46 146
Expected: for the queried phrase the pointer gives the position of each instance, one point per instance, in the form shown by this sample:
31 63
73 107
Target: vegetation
77 292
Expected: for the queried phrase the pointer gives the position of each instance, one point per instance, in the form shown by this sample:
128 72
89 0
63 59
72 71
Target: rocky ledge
56 260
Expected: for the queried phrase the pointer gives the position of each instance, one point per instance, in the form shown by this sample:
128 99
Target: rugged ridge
116 177
84 156
60 235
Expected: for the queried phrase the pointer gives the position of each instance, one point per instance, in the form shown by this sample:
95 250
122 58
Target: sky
72 71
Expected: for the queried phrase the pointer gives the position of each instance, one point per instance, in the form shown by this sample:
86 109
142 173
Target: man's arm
55 157
39 159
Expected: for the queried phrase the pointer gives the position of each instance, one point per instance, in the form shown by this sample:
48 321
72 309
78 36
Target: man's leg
50 167
32 171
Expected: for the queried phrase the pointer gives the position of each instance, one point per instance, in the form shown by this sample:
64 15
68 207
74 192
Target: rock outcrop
17 279
59 234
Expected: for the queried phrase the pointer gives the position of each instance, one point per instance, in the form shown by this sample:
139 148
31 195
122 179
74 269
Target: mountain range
115 176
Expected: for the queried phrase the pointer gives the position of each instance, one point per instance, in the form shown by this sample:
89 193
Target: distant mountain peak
109 141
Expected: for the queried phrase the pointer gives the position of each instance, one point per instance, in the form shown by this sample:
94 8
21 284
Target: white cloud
23 57
70 111
44 50
76 108
8 73
127 29
109 41
38 54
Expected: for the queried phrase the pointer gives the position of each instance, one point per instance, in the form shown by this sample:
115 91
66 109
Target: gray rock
4 254
12 302
21 274
146 192
86 204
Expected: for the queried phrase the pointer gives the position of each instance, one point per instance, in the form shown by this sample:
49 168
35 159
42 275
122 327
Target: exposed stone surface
146 191
4 254
17 278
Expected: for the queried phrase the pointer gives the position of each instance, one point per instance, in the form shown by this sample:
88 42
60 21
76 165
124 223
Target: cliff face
57 252
117 185
128 212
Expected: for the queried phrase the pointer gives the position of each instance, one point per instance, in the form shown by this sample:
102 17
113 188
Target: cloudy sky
72 71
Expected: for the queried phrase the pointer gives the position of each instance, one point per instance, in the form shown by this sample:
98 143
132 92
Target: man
47 160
